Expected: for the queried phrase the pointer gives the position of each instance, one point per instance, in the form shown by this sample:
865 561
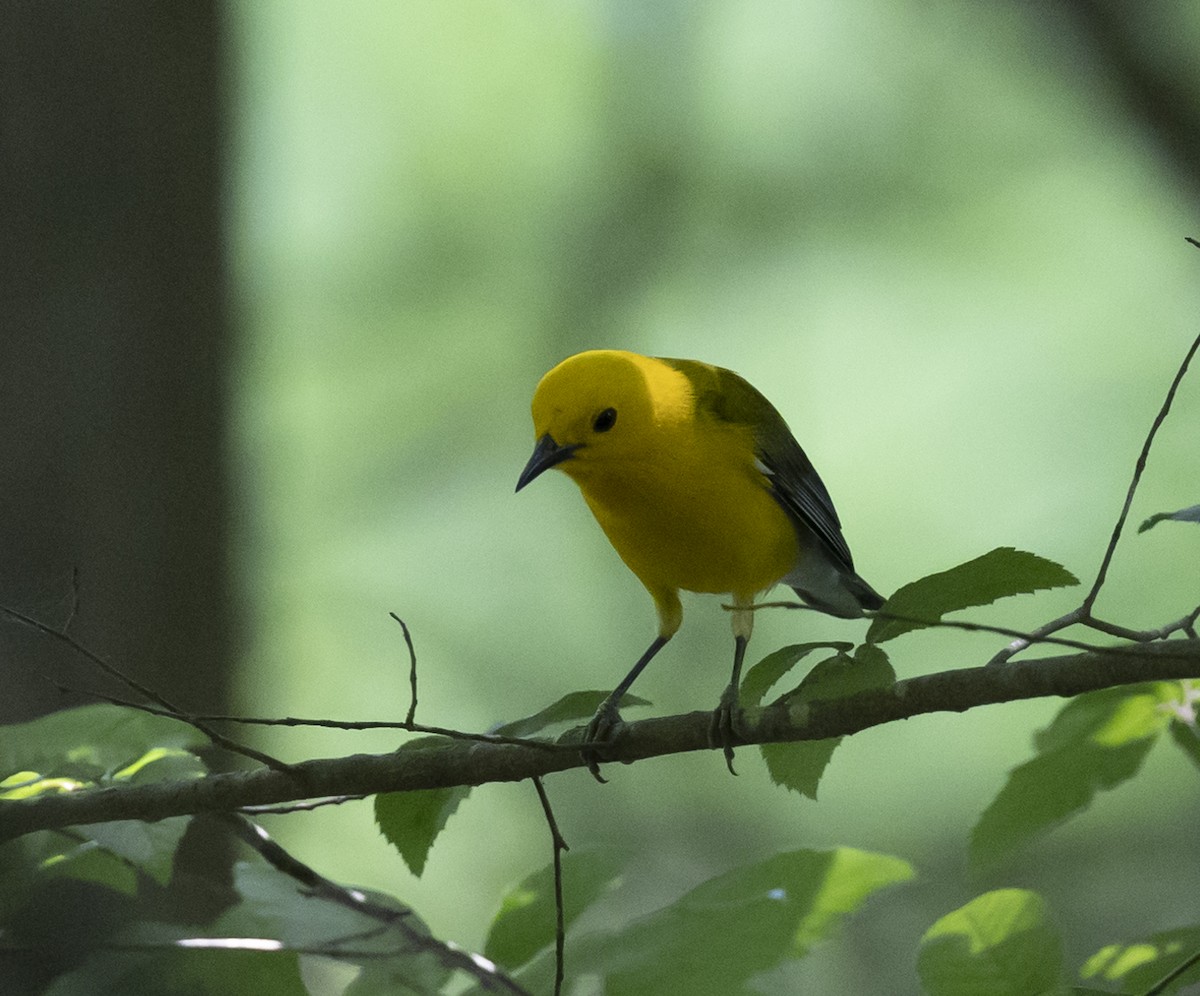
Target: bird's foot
721 731
604 728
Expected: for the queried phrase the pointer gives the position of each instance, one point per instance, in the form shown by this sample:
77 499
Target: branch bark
466 763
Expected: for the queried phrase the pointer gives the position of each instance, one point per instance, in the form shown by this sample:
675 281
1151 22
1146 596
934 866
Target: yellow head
604 409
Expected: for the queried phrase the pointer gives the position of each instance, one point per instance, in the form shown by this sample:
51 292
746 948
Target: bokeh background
947 240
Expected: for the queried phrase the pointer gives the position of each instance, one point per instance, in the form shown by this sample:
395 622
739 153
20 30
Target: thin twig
437 766
1043 632
970 627
1083 614
169 709
333 724
412 670
560 845
300 807
1146 635
1090 599
74 610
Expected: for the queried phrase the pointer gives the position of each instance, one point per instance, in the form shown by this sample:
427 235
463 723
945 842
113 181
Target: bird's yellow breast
688 508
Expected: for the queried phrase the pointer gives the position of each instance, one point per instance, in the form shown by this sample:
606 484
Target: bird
700 486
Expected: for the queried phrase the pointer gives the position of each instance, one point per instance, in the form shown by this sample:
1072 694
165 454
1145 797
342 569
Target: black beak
546 454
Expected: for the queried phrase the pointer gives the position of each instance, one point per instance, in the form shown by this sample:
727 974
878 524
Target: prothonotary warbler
699 485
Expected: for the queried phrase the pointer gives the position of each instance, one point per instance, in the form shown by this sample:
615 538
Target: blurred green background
945 239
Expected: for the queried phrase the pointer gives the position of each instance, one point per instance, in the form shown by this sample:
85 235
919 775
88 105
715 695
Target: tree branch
462 763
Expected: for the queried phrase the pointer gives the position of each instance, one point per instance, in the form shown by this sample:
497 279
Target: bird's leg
721 730
607 721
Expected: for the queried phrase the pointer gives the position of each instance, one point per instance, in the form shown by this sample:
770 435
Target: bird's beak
546 454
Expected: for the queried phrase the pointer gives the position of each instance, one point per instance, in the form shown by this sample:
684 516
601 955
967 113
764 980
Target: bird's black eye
605 420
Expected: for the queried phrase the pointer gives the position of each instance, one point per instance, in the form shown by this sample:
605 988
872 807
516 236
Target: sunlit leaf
1096 741
998 944
1139 964
162 764
93 739
998 574
27 784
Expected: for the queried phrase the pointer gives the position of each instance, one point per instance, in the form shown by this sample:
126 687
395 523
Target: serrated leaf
762 677
575 707
998 574
998 944
1191 514
411 821
718 936
1096 741
799 766
1138 964
843 675
525 923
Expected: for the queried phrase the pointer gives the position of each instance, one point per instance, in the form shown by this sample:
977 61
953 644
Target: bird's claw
604 727
721 731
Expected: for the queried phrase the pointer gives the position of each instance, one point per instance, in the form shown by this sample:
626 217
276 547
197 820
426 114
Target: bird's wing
793 480
796 487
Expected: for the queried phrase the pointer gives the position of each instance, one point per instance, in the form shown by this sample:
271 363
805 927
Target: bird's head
598 410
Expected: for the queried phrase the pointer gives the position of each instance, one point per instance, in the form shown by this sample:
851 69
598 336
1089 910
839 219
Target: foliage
76 913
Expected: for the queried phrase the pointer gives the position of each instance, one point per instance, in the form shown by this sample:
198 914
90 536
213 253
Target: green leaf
799 766
1191 514
90 740
411 821
171 971
714 939
396 957
525 923
575 707
760 678
27 784
998 944
1187 738
1095 742
998 574
1139 964
160 764
149 847
88 862
843 675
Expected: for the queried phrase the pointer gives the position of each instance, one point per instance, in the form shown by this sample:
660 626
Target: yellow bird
699 485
